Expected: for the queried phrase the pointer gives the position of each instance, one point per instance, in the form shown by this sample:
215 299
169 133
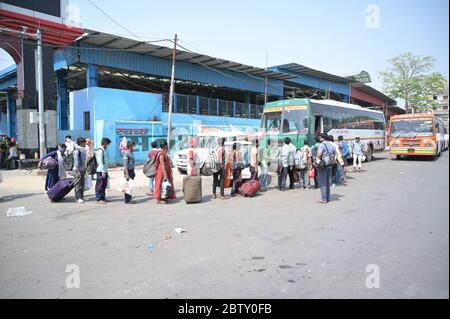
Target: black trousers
285 171
218 181
132 175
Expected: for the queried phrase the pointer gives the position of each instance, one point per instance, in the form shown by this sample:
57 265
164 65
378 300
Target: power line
114 21
184 48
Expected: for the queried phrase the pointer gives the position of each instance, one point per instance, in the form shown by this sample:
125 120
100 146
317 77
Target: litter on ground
17 212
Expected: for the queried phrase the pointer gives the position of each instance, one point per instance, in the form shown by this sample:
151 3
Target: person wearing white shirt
286 164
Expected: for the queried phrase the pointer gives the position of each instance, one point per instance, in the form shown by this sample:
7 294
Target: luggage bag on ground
250 188
61 189
192 189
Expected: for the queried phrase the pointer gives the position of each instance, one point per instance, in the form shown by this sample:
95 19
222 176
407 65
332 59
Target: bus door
318 125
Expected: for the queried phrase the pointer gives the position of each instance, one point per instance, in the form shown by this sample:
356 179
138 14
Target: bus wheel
398 157
369 156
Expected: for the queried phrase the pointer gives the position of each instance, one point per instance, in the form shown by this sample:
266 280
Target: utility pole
172 88
266 80
40 80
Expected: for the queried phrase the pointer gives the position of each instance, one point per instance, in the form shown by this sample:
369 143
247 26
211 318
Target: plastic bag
166 189
87 182
311 173
17 212
126 187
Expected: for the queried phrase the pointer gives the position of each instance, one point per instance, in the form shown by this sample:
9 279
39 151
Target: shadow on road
416 158
10 198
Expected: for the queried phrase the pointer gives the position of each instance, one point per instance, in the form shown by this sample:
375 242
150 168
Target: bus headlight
394 145
428 145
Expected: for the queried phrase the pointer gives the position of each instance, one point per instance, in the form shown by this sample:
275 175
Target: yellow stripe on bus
286 108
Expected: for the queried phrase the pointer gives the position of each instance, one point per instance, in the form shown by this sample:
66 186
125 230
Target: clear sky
330 35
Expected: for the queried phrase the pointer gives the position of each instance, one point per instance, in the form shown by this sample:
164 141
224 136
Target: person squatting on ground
101 184
219 176
128 168
325 155
79 169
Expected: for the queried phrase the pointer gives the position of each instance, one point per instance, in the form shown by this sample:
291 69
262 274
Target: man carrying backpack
325 156
304 165
314 151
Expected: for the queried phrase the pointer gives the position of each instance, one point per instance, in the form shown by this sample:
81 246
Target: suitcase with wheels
192 189
61 189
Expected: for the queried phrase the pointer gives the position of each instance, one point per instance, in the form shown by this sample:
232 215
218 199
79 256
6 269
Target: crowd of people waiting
324 163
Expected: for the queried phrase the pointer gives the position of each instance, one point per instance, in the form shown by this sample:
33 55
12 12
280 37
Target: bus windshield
271 122
412 128
293 122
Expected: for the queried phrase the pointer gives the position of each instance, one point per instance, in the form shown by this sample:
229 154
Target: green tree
407 78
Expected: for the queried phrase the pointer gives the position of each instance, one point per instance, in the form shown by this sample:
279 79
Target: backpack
345 149
69 161
150 166
210 165
91 164
299 160
327 160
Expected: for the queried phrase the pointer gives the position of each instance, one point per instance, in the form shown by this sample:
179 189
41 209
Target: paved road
279 245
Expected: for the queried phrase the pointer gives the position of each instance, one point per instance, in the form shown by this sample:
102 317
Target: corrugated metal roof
109 41
373 92
298 68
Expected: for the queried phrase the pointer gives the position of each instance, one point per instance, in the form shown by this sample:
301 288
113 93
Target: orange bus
416 134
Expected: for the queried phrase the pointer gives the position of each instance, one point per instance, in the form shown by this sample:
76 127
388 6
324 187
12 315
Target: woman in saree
163 172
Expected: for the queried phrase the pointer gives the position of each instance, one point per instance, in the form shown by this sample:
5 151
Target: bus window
271 121
336 120
345 120
327 123
294 122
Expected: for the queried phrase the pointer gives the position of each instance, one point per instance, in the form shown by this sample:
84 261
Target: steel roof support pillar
62 100
91 76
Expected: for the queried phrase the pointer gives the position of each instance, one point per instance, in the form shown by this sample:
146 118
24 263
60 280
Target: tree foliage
408 78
